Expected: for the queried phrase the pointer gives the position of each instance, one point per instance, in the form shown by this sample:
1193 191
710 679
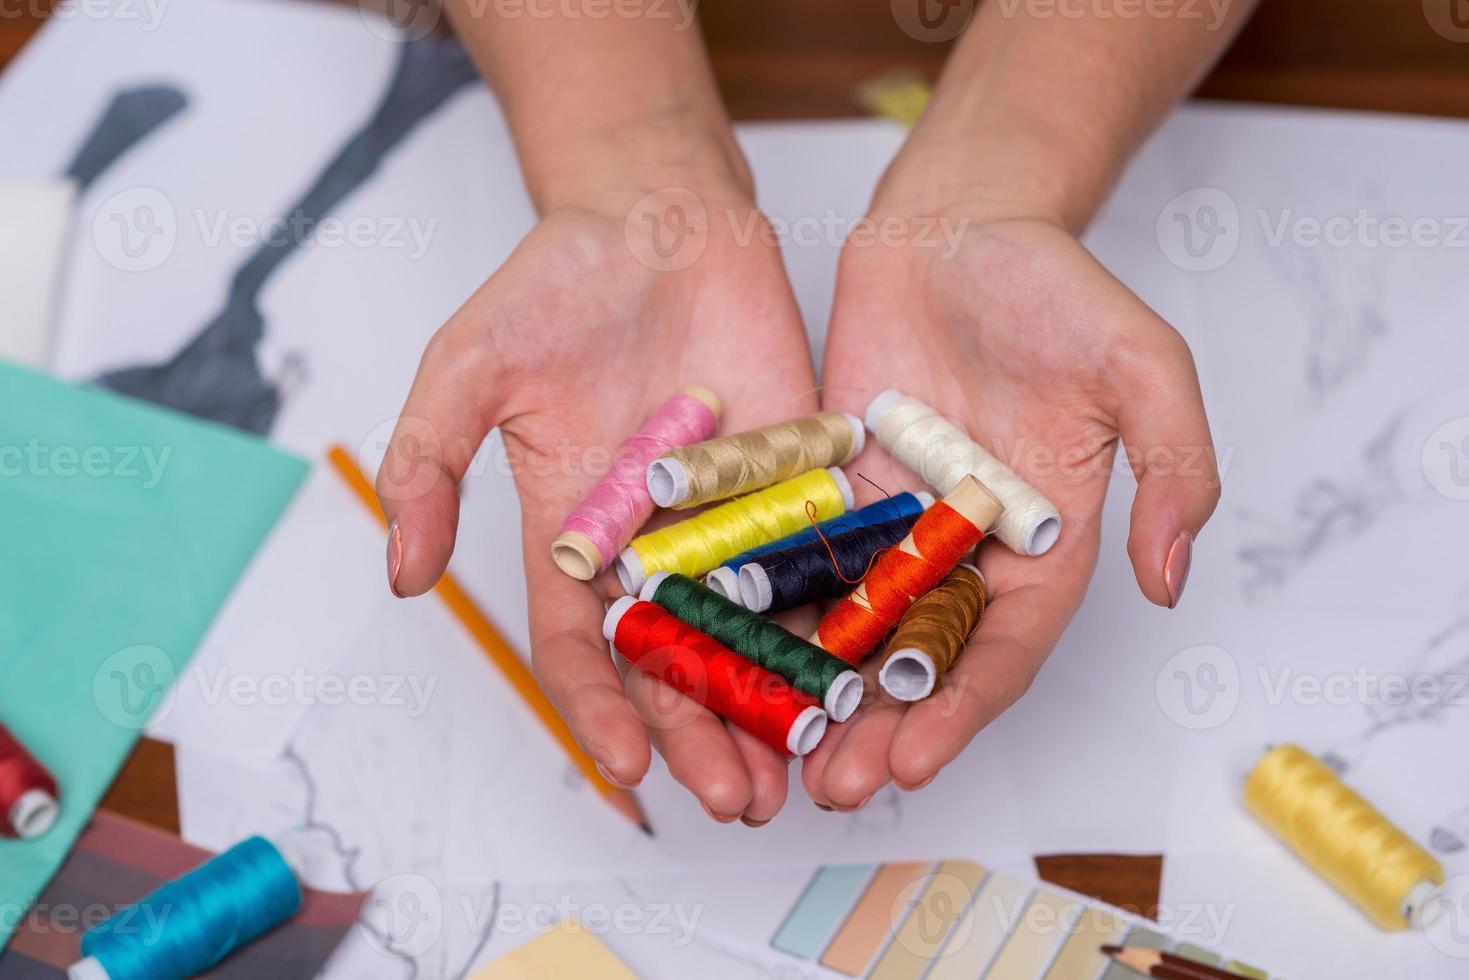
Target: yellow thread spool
1342 837
704 542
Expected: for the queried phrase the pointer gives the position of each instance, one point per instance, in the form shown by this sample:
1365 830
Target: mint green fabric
125 527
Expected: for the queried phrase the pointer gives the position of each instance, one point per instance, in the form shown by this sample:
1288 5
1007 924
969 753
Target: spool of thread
725 579
819 570
808 668
932 634
941 537
762 703
191 924
705 541
941 453
29 799
1343 838
606 520
730 466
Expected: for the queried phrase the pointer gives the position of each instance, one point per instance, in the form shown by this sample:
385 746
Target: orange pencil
507 660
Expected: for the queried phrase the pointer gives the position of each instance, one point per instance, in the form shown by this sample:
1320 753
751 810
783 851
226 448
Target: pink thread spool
606 520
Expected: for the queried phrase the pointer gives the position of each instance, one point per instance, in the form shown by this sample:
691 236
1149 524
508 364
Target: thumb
455 401
1166 437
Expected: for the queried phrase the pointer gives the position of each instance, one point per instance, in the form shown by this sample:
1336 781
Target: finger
859 766
455 401
1160 412
997 667
574 666
813 763
700 752
769 777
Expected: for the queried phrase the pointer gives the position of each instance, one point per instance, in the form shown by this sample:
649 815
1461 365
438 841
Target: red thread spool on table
762 703
945 533
28 794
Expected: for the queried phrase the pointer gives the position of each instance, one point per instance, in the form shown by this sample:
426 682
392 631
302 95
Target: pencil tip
1111 950
647 828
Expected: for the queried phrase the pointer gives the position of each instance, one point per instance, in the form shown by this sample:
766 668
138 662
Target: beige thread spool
729 466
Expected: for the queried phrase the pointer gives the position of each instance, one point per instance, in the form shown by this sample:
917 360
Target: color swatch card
117 862
126 528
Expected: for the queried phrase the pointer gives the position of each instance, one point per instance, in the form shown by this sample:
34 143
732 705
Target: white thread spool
668 478
909 674
942 453
805 732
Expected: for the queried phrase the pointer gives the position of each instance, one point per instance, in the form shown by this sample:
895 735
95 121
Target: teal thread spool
806 666
189 925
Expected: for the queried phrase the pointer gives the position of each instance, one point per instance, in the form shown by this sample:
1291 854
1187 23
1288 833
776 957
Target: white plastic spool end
88 969
668 481
755 592
725 581
844 486
650 587
614 616
925 498
1419 908
575 555
879 406
34 813
1042 534
908 675
859 437
630 571
844 695
806 731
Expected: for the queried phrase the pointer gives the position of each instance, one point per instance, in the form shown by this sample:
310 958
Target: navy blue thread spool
786 579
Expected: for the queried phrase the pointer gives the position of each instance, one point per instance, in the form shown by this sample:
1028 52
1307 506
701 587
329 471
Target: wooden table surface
803 58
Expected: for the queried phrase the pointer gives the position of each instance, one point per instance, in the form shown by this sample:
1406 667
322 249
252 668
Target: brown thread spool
932 634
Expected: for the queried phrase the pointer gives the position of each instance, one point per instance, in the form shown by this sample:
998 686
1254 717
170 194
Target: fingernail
917 786
822 806
753 823
1175 569
849 809
395 557
715 816
607 775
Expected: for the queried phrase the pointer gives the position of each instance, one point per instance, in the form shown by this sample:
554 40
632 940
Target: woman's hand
611 305
1021 336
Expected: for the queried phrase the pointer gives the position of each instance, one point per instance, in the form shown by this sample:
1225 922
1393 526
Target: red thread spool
28 794
942 536
762 703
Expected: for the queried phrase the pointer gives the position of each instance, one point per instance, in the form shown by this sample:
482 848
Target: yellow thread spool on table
1342 837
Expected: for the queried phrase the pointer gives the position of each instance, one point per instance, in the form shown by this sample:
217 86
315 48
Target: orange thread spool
945 533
